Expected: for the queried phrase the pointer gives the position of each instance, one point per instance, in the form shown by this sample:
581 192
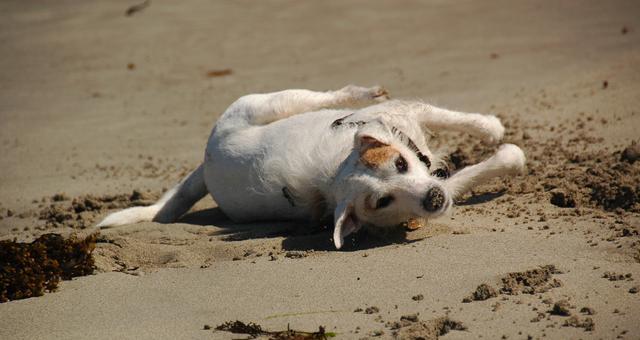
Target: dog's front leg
508 160
487 127
261 109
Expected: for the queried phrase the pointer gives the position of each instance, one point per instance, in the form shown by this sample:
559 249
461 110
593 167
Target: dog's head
384 182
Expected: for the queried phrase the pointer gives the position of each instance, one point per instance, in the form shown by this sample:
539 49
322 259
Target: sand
96 103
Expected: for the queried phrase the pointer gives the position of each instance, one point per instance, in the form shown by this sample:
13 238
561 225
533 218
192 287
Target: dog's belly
243 198
248 172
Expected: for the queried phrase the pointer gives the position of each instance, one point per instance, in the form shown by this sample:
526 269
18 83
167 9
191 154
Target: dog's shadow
298 235
301 235
481 198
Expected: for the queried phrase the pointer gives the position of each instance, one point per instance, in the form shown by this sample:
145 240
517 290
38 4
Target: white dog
299 154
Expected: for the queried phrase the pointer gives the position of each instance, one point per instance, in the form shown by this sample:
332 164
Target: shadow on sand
482 198
298 235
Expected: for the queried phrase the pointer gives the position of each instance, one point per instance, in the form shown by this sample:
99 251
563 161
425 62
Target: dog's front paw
511 158
492 129
365 94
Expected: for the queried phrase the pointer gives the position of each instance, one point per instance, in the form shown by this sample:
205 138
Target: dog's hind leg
487 127
187 193
173 204
262 109
508 160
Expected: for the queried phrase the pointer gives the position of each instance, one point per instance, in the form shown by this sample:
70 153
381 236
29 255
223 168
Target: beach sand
95 103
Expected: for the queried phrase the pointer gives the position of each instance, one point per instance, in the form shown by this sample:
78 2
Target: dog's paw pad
512 158
379 93
358 93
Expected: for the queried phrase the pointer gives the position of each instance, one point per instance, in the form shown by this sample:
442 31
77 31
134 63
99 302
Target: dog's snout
434 200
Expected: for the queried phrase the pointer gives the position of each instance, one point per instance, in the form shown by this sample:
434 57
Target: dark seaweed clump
254 330
30 269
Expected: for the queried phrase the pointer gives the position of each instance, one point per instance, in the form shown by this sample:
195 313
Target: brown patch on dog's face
374 157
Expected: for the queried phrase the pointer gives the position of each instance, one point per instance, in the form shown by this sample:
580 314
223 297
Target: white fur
266 142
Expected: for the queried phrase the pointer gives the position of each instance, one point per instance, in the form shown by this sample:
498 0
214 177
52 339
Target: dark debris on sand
561 308
578 175
254 330
30 269
631 153
482 292
532 281
562 199
598 179
586 323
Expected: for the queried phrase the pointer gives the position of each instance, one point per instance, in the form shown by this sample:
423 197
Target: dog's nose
434 199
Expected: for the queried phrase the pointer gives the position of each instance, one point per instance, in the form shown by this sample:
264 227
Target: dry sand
97 103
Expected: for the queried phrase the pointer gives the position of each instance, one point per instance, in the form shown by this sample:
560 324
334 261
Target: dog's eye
442 173
384 202
401 164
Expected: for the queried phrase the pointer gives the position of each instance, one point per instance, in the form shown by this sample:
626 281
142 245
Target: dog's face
384 184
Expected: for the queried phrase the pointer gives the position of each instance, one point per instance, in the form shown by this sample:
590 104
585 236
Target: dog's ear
365 142
345 223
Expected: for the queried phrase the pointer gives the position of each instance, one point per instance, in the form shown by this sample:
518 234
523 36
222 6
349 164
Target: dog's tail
173 204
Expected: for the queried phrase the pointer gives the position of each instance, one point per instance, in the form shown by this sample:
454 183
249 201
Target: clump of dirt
410 318
612 276
561 308
482 292
599 179
296 254
574 321
255 330
615 186
81 212
631 153
562 199
372 310
59 197
30 269
427 330
587 311
55 215
532 281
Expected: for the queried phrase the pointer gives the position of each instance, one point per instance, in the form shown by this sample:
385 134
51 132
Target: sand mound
572 178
